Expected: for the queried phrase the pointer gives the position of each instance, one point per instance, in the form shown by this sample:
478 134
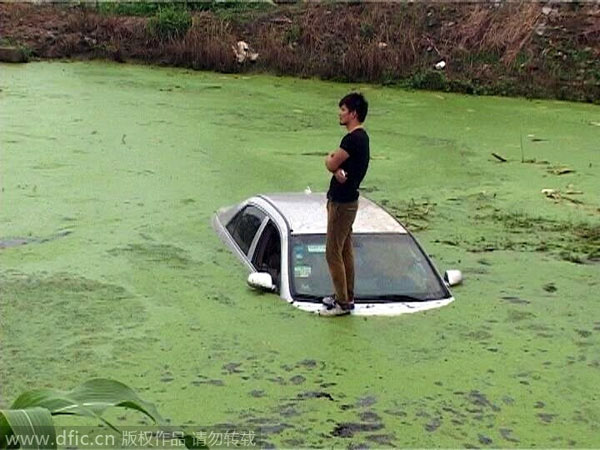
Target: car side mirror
261 280
453 277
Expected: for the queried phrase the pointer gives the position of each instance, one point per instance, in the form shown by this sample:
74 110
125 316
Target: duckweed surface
109 265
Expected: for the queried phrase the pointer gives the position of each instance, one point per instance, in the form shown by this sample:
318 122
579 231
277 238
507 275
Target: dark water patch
583 333
213 382
508 400
549 287
163 254
516 316
433 424
297 379
321 154
188 201
369 189
346 407
369 416
288 410
581 417
259 420
428 141
358 446
545 335
451 243
381 439
232 368
15 242
278 380
422 413
479 335
257 393
315 394
327 385
294 443
546 418
167 378
348 430
475 270
366 401
18 241
222 299
49 166
484 440
507 435
516 300
452 411
479 399
307 363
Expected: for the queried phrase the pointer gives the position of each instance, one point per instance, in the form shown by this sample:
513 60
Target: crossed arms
334 160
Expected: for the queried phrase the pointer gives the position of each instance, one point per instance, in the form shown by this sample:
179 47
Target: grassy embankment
525 49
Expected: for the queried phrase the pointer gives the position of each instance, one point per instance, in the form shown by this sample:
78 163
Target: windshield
389 267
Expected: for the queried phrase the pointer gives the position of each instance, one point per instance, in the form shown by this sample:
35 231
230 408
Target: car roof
307 214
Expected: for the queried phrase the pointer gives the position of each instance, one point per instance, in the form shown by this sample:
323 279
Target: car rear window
244 225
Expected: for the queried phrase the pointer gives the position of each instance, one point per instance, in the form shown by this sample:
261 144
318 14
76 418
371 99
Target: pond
110 268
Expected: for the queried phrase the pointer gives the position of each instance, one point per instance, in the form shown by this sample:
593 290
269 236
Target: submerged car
280 238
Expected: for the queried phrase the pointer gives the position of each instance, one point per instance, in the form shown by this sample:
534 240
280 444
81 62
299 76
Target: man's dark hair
355 101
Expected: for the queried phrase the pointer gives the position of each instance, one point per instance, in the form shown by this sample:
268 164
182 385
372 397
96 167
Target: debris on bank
11 54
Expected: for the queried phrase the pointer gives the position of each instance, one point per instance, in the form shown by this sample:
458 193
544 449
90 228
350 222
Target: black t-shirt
356 144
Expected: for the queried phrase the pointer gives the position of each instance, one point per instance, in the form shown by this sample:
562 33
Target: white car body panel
289 214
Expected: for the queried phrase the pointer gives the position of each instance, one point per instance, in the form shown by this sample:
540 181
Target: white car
281 240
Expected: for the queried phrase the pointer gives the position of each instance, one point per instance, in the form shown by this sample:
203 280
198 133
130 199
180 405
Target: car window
267 256
244 226
386 265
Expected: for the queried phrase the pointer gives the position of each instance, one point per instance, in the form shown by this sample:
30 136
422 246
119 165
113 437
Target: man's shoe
336 310
331 301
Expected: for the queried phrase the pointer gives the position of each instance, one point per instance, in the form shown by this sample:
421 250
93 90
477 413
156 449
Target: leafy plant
433 80
139 8
29 420
170 23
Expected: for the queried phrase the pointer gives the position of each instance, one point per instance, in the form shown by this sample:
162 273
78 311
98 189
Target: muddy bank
532 50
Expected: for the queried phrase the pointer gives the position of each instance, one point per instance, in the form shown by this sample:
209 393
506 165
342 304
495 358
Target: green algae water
109 266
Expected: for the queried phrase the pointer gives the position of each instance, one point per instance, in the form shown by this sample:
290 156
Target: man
348 164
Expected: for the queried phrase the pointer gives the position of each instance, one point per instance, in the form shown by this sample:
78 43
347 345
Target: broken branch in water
498 157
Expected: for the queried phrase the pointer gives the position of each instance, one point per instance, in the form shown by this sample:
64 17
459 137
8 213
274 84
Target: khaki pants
339 254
